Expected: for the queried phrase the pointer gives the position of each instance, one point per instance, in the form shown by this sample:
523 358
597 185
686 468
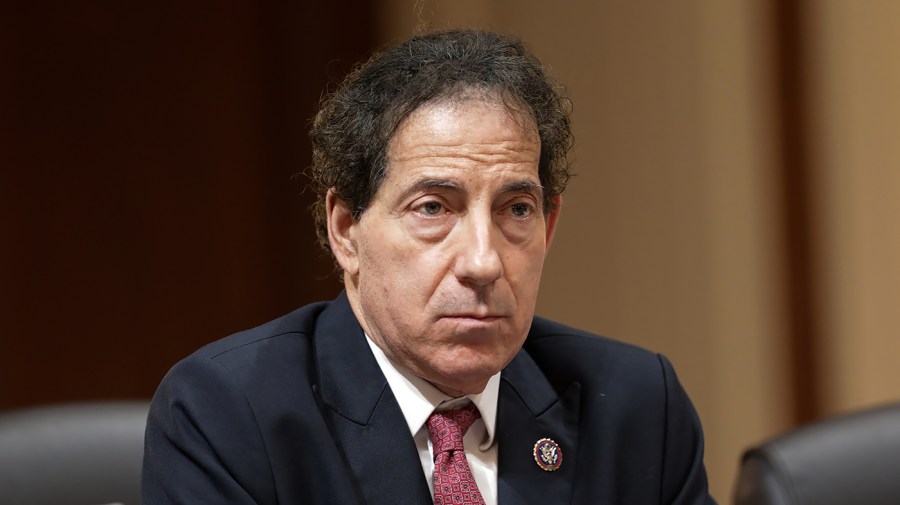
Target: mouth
473 319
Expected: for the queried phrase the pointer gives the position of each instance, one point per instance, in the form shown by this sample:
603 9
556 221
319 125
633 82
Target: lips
474 315
467 311
472 318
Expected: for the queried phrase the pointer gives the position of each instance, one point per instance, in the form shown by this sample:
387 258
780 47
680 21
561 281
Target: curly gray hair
354 125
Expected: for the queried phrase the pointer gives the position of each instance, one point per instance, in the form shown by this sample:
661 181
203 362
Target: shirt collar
418 398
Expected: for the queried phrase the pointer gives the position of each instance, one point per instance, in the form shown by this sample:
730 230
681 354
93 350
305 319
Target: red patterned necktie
453 480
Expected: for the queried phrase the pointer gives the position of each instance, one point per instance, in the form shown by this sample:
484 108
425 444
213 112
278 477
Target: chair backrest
851 459
75 454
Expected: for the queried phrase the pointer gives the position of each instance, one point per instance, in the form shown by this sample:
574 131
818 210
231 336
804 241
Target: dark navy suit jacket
297 412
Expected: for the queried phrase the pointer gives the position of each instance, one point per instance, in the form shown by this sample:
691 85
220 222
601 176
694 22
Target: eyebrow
523 187
424 185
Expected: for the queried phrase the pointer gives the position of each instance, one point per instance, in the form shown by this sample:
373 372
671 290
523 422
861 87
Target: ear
342 233
552 218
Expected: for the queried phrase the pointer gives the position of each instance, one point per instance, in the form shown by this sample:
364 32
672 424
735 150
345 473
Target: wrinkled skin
442 269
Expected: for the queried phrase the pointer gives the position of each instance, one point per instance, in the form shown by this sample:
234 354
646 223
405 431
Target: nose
478 260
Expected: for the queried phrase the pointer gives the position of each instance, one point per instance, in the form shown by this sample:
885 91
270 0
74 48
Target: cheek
525 268
392 274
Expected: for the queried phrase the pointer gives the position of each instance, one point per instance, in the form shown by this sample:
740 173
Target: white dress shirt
418 399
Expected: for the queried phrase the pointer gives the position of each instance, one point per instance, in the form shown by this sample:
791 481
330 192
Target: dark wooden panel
792 107
147 199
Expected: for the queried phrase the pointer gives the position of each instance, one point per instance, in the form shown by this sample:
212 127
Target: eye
520 209
431 208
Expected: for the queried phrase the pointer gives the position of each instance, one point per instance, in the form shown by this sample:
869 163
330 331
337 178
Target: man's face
442 270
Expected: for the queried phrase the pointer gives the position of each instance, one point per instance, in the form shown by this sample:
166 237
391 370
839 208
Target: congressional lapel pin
547 454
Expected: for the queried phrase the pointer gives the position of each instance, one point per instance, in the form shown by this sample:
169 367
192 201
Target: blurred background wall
736 205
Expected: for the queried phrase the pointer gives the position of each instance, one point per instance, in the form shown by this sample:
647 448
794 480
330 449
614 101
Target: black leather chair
76 454
848 460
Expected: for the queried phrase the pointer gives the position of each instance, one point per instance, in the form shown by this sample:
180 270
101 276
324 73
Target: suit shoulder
549 335
298 323
251 361
568 353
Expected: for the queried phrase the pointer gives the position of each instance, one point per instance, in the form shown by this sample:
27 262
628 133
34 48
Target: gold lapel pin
547 454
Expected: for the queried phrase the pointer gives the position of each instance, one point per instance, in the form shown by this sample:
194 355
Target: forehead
489 105
464 133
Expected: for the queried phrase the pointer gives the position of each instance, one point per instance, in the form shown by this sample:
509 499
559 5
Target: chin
457 390
467 379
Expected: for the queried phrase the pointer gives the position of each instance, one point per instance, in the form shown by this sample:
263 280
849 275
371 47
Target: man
439 167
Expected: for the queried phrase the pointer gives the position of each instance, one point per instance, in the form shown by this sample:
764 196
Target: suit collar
350 381
530 409
527 381
363 414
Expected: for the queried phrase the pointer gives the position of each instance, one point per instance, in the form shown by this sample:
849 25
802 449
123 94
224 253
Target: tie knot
448 427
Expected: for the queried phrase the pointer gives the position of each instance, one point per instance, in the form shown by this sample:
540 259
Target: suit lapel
364 416
369 427
529 409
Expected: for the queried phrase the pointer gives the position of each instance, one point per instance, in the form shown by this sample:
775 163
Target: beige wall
855 81
671 232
